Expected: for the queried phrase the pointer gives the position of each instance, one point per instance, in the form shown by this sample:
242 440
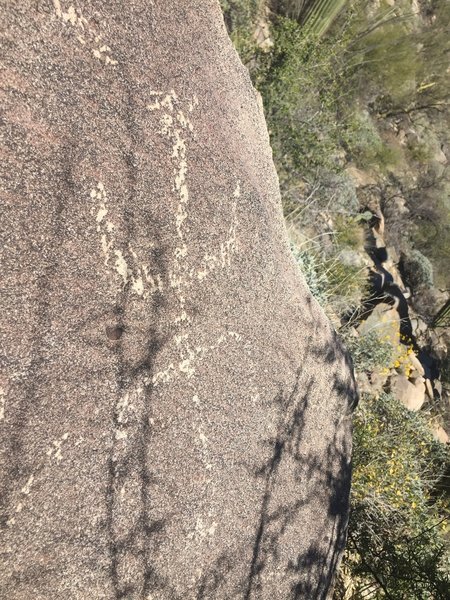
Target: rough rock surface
410 393
174 405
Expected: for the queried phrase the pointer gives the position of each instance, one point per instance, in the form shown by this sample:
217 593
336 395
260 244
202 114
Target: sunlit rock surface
174 406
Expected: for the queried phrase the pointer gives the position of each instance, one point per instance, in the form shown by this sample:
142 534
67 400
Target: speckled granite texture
174 406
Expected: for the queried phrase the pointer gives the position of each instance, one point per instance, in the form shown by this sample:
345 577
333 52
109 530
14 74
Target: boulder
440 434
399 205
360 178
261 34
385 322
352 258
419 326
378 379
174 406
429 388
364 384
440 156
410 393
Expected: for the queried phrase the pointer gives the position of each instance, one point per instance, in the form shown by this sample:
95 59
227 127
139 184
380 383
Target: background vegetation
365 85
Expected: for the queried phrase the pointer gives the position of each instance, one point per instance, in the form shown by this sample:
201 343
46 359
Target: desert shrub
396 543
348 283
431 221
301 84
365 145
419 151
349 233
337 193
315 277
369 351
328 192
386 50
240 18
418 269
362 139
334 284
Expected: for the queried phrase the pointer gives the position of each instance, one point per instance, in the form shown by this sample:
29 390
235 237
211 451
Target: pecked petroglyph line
142 284
55 451
201 439
2 403
178 128
227 248
131 273
86 36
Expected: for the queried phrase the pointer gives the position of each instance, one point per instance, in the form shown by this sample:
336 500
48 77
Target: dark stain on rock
114 332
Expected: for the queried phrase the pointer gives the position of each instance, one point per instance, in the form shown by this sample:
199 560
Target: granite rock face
174 406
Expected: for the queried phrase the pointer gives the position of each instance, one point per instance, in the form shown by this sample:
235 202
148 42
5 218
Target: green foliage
418 269
366 146
349 233
434 45
301 84
316 278
396 545
240 18
348 283
369 352
403 67
419 152
334 284
386 53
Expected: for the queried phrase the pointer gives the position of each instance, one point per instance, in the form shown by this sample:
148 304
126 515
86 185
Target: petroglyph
25 491
124 261
2 403
27 487
121 266
203 529
128 412
177 127
132 274
227 248
123 406
202 439
87 36
55 451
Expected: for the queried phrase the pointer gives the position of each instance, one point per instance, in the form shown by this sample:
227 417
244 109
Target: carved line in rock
177 127
128 495
87 36
2 403
138 275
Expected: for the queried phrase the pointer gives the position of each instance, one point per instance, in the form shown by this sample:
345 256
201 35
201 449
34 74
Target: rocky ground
396 311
